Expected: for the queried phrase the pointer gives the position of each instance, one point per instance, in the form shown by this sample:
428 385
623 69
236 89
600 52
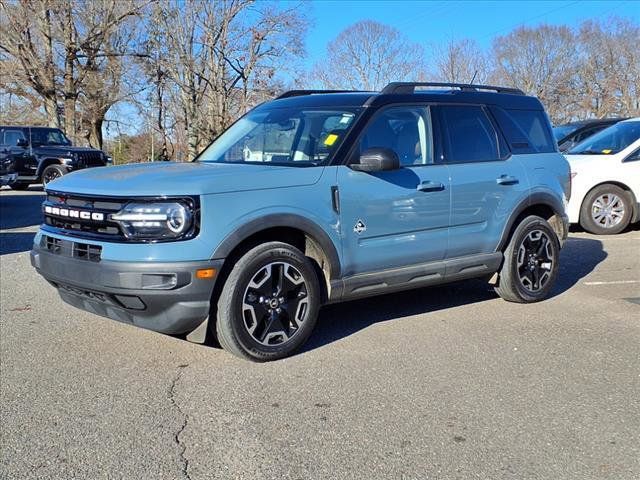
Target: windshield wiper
587 152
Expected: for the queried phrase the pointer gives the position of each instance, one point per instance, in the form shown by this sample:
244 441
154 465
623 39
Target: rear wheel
51 173
606 210
19 186
269 304
530 264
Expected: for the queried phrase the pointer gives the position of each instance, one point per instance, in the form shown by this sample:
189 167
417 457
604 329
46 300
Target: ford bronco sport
42 154
312 198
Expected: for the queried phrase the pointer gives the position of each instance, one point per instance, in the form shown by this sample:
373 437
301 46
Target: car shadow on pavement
578 258
20 210
15 242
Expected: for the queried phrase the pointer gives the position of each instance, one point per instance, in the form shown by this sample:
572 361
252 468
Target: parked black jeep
42 154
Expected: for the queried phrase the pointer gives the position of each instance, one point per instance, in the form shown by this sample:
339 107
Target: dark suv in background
42 154
570 134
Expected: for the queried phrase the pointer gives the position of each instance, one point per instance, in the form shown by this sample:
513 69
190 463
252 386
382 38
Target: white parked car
605 170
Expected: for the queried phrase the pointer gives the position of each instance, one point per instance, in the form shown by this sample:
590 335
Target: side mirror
22 142
377 160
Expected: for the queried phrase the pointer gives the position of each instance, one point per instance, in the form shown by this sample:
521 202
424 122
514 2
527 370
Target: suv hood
63 149
584 161
164 178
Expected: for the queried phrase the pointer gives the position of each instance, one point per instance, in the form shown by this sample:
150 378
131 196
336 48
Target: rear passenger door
486 181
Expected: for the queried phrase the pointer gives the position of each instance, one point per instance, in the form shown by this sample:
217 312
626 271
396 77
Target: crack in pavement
185 418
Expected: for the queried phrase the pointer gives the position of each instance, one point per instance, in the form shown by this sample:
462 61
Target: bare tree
608 76
68 52
27 45
218 54
542 62
460 62
367 56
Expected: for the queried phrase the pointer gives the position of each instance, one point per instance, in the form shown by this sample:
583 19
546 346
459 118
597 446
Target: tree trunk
69 87
51 109
95 132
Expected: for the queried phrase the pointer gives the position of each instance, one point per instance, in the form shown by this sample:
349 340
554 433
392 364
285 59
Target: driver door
395 218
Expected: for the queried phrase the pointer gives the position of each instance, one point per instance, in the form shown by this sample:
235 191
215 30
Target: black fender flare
536 198
288 220
45 162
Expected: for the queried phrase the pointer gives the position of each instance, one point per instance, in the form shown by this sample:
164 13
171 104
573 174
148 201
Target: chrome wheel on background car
607 210
275 303
535 260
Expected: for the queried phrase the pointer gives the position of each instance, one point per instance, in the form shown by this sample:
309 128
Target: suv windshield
48 136
282 136
610 140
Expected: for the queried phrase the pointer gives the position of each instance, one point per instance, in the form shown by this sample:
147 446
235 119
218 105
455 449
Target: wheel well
634 205
290 235
540 210
45 163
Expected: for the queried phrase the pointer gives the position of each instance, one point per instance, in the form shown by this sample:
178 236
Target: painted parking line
614 282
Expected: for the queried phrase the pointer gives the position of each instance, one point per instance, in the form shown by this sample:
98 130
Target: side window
535 125
11 137
634 157
405 130
468 134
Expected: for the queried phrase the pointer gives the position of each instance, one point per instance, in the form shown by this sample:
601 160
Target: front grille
82 216
67 248
90 159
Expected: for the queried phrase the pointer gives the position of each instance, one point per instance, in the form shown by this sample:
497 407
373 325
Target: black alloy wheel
275 303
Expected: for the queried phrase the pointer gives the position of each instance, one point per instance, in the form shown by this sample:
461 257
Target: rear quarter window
535 126
526 131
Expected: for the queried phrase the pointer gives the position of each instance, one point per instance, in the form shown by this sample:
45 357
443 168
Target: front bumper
165 297
8 178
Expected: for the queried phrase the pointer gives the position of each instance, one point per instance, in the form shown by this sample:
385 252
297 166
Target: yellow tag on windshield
331 139
606 151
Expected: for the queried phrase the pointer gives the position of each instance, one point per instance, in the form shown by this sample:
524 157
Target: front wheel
530 265
269 304
51 173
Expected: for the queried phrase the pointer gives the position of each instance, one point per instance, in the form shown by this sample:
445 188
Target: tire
256 324
19 186
51 173
531 260
606 210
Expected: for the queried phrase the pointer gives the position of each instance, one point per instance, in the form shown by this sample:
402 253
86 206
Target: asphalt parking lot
441 383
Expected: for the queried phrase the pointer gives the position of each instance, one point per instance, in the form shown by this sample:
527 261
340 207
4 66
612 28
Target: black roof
593 121
471 94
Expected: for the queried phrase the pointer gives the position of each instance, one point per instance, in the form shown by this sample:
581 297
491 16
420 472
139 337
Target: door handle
429 186
507 180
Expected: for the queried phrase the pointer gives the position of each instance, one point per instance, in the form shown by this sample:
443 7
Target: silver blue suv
312 198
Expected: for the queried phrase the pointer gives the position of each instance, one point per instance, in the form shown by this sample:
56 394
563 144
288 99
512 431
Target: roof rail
300 93
410 87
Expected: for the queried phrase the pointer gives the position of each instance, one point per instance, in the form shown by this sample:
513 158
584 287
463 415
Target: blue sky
428 22
433 22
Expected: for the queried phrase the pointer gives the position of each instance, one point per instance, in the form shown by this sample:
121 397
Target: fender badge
359 227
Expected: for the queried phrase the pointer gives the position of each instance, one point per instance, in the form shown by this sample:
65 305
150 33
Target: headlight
156 221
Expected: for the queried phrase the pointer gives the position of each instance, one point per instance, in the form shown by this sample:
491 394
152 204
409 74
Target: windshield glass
563 130
282 136
610 140
48 136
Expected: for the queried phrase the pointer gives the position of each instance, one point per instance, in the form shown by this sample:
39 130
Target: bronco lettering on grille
73 213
